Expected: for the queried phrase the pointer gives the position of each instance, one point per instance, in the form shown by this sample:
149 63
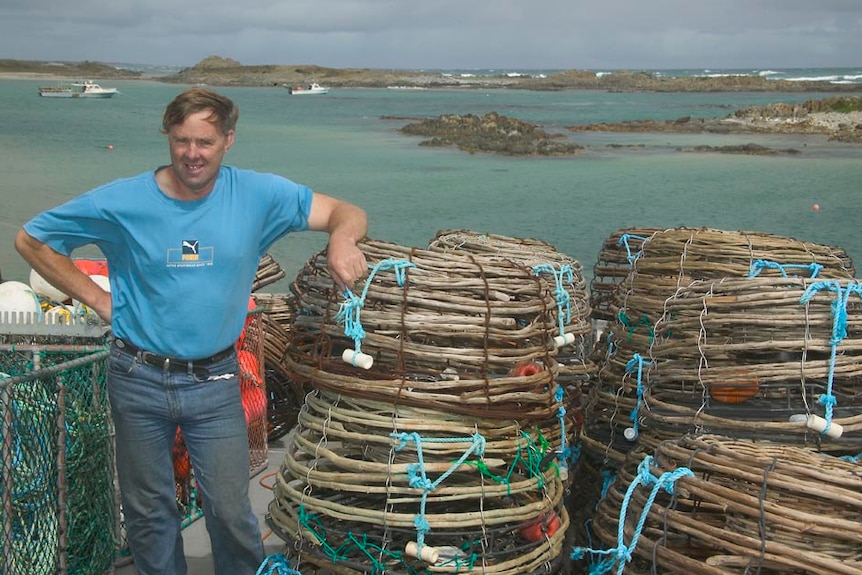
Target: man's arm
346 225
62 273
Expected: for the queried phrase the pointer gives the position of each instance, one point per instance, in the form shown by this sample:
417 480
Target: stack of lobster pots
726 420
438 433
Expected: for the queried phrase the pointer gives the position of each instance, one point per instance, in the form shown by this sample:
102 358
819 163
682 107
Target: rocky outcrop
491 133
839 118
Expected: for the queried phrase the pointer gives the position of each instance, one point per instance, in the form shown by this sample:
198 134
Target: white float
17 297
41 286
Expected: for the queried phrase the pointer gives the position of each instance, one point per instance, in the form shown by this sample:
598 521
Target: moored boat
84 89
313 88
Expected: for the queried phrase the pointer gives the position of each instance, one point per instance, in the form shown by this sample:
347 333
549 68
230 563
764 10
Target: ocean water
339 143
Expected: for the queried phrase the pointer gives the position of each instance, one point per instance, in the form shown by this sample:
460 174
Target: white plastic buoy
428 554
17 297
564 339
101 281
41 286
817 423
357 358
630 433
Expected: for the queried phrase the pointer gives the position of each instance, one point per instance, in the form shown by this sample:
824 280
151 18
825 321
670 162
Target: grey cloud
444 33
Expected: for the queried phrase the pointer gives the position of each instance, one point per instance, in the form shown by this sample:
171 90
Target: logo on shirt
190 253
190 250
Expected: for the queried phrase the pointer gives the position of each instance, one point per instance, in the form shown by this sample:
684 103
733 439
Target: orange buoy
741 387
816 207
525 368
543 527
92 267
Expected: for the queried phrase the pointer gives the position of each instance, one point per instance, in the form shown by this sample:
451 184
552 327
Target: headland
219 71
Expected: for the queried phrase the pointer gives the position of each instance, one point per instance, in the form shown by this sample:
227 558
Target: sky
441 34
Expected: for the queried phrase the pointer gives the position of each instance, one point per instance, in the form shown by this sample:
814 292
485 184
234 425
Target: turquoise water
51 150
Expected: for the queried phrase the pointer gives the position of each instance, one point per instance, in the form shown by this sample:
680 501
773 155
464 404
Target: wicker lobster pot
745 507
449 335
668 262
346 485
284 396
741 356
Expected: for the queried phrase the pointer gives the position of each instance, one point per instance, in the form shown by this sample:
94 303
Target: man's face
197 149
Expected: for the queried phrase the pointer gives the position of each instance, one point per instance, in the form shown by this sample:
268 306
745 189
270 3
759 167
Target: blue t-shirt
181 271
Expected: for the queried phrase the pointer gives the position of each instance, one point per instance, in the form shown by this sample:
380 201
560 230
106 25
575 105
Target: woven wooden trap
284 396
717 506
448 331
366 480
668 262
756 357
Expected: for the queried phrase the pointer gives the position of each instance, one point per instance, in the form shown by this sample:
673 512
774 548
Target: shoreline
219 71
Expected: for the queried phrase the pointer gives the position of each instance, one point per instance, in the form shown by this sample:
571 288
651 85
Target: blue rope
839 332
759 265
622 553
276 565
565 452
624 240
609 476
564 274
852 458
636 362
349 312
417 478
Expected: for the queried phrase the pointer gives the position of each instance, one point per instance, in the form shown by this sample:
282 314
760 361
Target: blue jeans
148 403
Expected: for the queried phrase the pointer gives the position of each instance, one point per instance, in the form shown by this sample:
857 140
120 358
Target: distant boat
313 88
85 89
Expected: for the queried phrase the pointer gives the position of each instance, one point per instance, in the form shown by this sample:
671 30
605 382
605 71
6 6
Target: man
182 245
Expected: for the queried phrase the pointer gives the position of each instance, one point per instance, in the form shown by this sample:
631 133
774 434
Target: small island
491 133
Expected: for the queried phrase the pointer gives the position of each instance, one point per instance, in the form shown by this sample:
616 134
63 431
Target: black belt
172 363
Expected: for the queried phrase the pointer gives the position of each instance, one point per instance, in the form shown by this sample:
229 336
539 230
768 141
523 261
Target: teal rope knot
417 478
624 240
758 265
561 295
839 332
622 553
276 565
349 311
632 327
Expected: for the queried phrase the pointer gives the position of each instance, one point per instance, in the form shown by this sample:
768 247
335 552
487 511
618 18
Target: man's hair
224 113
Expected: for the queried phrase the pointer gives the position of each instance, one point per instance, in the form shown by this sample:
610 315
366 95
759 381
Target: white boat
85 89
313 88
